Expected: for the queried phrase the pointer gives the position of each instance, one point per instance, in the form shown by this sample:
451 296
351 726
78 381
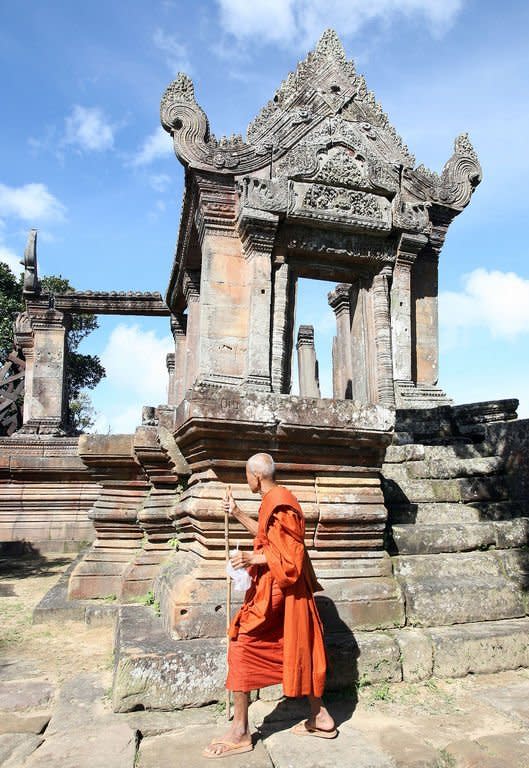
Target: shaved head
262 464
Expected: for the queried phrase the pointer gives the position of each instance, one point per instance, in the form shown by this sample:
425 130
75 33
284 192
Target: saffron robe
277 635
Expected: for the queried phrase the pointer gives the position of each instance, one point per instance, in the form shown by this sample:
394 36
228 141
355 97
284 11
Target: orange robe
277 635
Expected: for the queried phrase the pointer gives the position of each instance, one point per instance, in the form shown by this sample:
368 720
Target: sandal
304 729
232 749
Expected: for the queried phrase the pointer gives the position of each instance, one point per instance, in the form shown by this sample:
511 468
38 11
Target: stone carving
411 217
322 85
342 167
454 187
323 197
333 243
351 207
31 284
269 195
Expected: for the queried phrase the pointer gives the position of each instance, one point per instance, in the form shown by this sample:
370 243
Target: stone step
452 468
399 489
396 454
432 601
446 512
417 539
454 588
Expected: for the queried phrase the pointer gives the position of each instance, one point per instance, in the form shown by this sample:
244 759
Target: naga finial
31 285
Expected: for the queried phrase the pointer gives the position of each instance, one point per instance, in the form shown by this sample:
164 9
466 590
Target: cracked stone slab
24 722
184 750
155 723
16 747
504 750
21 695
79 701
513 700
106 744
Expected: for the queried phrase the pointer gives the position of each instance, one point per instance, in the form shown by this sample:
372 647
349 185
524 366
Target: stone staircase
458 542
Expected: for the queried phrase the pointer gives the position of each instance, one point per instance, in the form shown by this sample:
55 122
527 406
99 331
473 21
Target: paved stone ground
55 709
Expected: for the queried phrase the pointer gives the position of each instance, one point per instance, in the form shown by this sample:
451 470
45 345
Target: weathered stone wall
46 493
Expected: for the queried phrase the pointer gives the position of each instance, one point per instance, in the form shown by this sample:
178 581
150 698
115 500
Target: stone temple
417 509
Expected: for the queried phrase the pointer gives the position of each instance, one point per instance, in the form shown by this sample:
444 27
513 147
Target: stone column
258 232
309 385
382 323
44 402
24 342
179 328
401 309
284 302
339 300
224 285
192 349
170 363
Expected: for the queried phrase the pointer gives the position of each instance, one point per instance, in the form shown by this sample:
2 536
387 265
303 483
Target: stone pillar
45 347
401 309
24 342
309 385
362 341
425 292
170 363
192 349
284 302
382 323
258 232
339 300
224 285
179 328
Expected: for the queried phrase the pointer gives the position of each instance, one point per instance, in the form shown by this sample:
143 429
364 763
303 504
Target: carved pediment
322 128
323 85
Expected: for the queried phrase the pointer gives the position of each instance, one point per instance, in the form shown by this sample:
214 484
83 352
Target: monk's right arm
231 507
249 523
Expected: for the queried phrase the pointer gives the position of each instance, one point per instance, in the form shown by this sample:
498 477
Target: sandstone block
416 654
480 648
106 744
453 537
16 747
19 696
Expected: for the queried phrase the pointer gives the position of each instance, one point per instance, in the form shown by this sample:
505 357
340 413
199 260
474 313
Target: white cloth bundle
240 576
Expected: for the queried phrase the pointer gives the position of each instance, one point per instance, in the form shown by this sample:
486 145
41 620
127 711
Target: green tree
82 371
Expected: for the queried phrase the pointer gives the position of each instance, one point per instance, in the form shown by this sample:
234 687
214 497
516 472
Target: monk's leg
319 716
238 732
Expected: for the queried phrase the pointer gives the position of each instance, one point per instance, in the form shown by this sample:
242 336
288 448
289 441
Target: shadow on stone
20 560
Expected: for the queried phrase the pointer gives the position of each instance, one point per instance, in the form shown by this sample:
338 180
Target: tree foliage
82 371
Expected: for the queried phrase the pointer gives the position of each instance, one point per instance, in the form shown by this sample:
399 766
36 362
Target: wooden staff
228 589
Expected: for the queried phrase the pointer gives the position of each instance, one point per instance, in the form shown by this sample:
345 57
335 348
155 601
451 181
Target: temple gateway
417 509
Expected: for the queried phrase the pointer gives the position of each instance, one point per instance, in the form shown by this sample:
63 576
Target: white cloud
9 257
31 202
157 145
159 181
176 55
135 362
89 129
492 300
301 22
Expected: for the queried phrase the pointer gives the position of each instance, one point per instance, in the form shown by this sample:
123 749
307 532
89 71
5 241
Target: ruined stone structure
416 509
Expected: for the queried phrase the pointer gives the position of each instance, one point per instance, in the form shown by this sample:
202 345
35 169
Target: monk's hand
241 559
230 507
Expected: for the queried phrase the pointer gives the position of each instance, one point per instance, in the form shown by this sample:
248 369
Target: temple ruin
417 509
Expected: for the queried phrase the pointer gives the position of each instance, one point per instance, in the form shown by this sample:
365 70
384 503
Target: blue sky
83 159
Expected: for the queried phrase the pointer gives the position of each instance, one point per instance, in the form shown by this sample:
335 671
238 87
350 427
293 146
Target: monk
276 636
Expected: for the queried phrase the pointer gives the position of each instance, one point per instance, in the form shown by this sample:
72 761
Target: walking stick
228 591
